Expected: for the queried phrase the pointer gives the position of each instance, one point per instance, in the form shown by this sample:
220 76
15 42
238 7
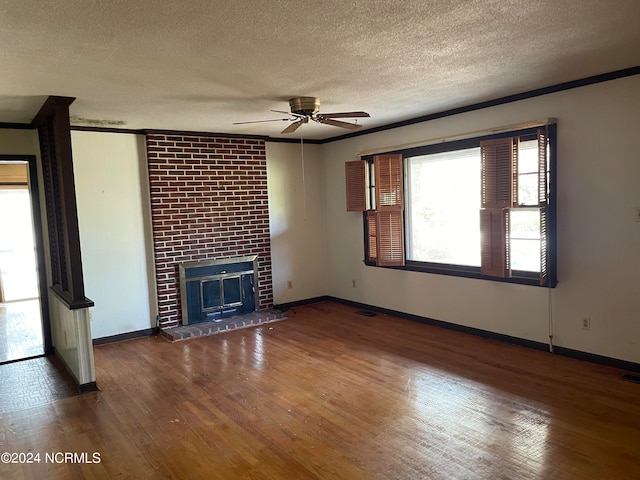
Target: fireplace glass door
212 290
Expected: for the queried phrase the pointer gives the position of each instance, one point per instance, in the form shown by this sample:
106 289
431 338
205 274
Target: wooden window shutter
544 246
499 173
372 237
390 238
515 145
494 231
388 173
542 168
355 177
546 276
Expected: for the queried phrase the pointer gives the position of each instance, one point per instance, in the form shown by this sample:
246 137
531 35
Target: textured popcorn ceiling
201 64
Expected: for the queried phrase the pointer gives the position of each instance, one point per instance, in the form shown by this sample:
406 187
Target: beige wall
115 238
296 221
19 142
598 238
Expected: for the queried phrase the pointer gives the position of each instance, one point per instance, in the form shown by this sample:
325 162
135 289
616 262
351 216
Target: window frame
517 276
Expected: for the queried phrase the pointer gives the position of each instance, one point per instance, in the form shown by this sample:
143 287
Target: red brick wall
208 200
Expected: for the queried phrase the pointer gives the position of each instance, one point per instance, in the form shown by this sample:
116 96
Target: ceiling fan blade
289 113
346 115
293 127
336 123
262 121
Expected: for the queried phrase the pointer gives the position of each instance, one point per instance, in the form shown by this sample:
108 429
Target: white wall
113 217
598 239
297 221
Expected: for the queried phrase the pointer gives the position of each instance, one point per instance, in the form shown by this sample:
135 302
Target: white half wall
71 332
598 237
297 221
113 217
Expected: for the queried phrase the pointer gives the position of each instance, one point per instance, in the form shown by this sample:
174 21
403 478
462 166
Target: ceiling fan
304 109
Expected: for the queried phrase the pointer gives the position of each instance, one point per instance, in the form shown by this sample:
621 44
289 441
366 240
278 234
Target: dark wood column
54 133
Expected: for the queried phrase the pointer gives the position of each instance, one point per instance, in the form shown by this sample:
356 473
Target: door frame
34 195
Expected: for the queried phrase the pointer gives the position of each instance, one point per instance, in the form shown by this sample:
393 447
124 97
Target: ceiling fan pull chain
304 184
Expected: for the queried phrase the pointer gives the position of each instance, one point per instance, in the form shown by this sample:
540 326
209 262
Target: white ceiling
201 65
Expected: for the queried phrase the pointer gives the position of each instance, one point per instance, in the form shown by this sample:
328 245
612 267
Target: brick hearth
202 329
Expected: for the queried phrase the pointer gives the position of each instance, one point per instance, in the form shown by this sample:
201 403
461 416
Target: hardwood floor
330 394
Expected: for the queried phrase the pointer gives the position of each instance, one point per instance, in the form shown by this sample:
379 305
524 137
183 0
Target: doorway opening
24 323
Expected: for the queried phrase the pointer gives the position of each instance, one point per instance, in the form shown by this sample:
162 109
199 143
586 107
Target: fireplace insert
211 290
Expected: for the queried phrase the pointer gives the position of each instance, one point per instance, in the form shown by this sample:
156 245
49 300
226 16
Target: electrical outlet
353 283
586 323
289 284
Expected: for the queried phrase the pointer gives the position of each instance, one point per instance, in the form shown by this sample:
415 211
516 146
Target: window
481 207
443 200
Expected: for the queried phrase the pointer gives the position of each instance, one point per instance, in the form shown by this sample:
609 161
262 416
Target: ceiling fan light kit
304 109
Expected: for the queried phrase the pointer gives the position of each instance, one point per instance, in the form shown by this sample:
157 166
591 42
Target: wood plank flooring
329 394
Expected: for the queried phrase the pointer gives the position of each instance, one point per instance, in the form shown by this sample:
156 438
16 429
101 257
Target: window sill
518 277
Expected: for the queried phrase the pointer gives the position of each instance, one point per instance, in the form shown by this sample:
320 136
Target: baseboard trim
599 359
562 351
88 388
125 336
308 301
449 326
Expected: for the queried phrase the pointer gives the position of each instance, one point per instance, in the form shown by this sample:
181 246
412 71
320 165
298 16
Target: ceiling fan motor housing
304 105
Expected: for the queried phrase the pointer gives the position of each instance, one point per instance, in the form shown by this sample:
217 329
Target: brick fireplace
208 202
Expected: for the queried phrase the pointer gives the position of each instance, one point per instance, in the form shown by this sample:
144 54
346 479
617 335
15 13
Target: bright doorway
21 326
